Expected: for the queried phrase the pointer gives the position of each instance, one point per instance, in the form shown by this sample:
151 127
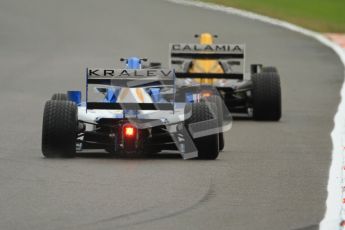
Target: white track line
335 211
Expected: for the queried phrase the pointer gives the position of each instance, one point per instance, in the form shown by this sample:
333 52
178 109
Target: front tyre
59 131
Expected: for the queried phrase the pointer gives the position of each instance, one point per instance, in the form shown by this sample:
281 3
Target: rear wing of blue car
229 56
114 80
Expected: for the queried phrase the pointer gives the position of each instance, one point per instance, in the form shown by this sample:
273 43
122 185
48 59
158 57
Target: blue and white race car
130 112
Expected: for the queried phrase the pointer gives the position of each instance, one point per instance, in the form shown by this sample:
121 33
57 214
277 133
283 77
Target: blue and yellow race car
130 112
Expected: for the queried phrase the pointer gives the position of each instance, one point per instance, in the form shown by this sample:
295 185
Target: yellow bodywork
208 65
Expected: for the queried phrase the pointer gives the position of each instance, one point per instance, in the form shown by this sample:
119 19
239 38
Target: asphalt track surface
270 176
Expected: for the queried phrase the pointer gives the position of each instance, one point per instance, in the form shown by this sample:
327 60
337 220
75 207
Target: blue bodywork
133 63
74 96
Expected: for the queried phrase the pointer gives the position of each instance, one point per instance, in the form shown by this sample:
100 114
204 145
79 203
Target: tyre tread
266 96
59 130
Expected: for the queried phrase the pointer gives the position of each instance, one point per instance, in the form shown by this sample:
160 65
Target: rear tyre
269 69
221 141
266 96
220 116
59 97
207 146
59 132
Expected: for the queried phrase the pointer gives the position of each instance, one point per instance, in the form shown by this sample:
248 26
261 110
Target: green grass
318 15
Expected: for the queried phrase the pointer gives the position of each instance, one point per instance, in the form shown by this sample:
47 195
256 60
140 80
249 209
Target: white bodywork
130 95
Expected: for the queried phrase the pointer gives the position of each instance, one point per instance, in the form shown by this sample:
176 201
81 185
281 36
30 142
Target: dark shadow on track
103 155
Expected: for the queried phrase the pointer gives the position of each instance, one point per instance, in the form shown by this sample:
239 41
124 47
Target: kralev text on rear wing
112 79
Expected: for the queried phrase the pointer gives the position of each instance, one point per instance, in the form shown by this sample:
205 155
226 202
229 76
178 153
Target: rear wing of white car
229 56
107 80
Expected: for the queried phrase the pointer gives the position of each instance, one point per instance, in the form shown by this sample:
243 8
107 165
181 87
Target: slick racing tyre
269 69
59 97
266 96
221 141
59 132
216 99
207 146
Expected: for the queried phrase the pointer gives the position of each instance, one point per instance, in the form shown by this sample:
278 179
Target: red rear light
129 130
